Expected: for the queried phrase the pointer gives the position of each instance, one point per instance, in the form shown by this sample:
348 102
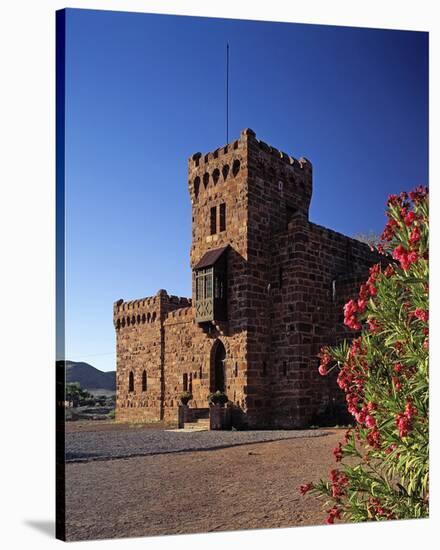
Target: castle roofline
247 134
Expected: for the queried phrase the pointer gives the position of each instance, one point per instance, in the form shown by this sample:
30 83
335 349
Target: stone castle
268 287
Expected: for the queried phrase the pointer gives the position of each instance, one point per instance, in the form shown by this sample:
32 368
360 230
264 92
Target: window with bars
204 284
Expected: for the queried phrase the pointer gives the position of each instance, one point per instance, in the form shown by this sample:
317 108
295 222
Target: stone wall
287 280
320 271
139 349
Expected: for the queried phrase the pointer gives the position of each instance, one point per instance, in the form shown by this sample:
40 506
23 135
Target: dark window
223 217
144 381
235 167
264 368
284 368
219 285
131 382
190 385
196 186
185 382
213 220
205 179
216 176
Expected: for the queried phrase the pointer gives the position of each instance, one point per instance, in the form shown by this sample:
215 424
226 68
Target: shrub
384 375
185 397
218 398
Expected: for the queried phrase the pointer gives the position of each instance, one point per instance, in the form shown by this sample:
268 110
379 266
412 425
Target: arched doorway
218 374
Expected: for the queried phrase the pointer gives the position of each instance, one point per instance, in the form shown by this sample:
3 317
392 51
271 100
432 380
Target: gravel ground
102 445
251 486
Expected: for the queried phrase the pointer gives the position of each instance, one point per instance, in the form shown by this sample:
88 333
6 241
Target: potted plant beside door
217 402
185 397
217 398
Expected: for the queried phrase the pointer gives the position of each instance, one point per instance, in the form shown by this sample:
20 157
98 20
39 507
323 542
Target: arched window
118 324
218 370
153 317
205 179
235 167
216 176
143 318
225 171
138 318
144 381
148 317
131 381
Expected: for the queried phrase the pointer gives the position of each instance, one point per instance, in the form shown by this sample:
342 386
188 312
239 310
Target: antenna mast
227 92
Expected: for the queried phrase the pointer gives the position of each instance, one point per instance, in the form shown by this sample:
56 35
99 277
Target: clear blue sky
144 92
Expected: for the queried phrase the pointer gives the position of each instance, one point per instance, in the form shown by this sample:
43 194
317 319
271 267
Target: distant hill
90 378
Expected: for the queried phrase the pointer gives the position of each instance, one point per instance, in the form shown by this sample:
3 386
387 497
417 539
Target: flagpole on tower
227 92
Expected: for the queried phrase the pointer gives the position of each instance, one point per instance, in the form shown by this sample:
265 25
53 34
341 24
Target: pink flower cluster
378 510
305 488
355 307
405 257
404 420
333 513
324 361
339 483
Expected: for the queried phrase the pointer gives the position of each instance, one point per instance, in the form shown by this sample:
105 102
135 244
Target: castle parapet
207 170
146 310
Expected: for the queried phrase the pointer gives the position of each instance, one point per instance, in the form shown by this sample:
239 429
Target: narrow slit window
185 382
131 382
223 217
213 220
144 381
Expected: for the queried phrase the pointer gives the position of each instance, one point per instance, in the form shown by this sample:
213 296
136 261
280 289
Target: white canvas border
28 274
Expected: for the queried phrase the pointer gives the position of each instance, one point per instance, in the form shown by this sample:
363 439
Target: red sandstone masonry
287 280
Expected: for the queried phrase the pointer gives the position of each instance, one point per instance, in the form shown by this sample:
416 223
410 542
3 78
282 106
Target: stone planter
181 415
220 417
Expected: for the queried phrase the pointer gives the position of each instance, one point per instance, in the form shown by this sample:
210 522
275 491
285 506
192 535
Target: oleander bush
381 467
